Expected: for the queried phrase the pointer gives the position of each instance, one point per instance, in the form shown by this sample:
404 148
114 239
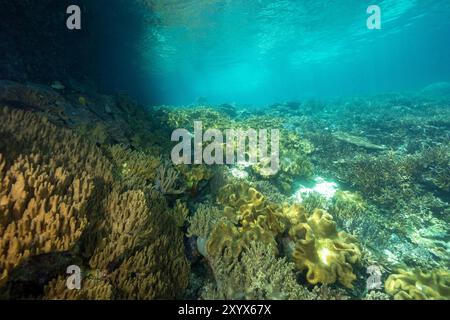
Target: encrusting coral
419 285
326 254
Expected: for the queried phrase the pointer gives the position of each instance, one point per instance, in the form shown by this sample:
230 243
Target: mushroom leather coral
326 254
419 285
249 218
247 207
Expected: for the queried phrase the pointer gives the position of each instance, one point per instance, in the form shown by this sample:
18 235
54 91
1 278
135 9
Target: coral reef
94 288
210 118
419 285
136 231
193 176
137 169
43 209
202 222
258 275
167 179
55 197
85 179
314 242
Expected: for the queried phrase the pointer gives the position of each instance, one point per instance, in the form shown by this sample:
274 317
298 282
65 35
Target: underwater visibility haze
113 184
262 52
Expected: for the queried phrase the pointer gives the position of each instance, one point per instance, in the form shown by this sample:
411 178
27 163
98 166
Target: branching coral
292 141
314 200
346 204
167 179
326 254
259 275
180 212
210 118
296 165
202 222
435 163
419 285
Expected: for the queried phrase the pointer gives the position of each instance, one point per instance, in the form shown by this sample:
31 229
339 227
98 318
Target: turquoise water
263 51
353 201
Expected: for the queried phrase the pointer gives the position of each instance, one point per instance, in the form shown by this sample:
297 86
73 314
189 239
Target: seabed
359 208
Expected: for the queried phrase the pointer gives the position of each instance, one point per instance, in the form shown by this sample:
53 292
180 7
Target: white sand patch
325 188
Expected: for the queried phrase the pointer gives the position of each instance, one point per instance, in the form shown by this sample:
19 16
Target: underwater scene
225 150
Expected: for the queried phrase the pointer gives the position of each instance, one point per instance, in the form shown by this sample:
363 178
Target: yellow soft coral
419 285
43 209
136 168
326 254
249 217
142 248
194 175
244 205
92 289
